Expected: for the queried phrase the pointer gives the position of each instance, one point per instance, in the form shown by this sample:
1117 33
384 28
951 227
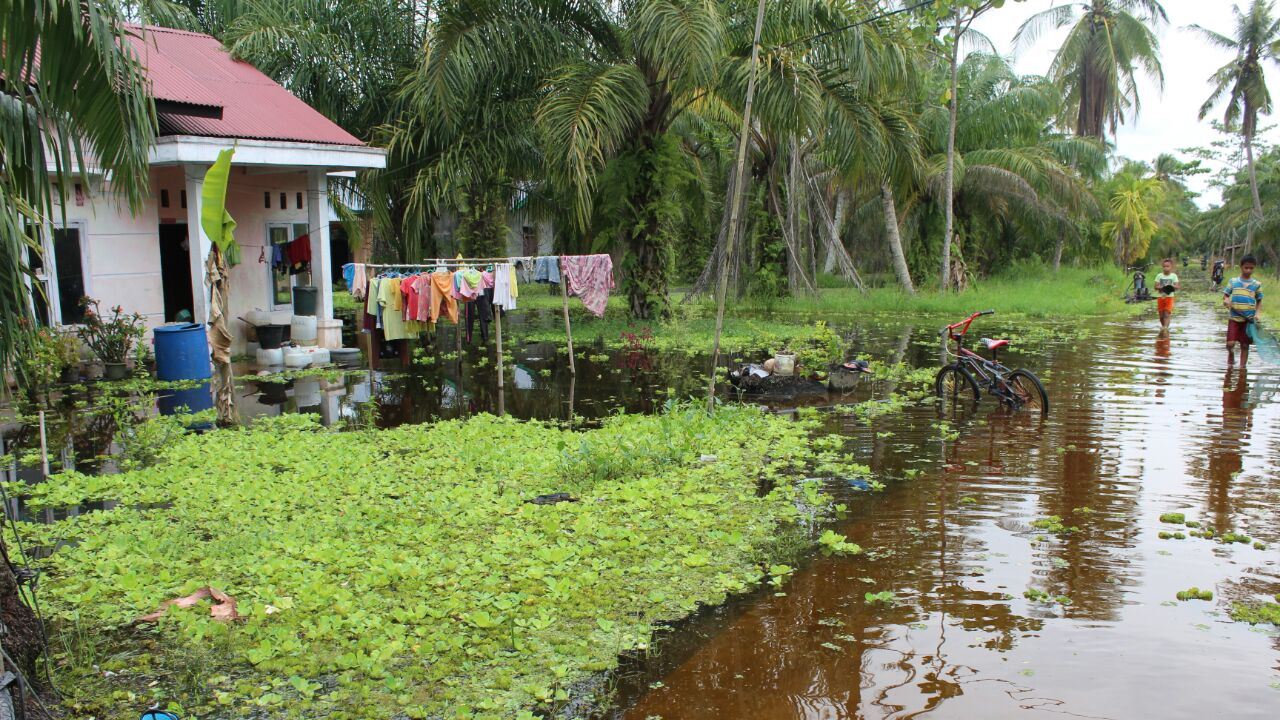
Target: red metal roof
194 69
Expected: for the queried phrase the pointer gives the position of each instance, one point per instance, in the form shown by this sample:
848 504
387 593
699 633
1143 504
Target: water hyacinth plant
374 569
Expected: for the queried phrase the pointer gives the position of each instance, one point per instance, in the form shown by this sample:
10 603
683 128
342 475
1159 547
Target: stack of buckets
302 330
275 329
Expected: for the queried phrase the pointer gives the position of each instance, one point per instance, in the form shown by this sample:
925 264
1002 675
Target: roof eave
193 149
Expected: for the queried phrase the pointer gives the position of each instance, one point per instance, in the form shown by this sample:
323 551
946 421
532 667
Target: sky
1168 120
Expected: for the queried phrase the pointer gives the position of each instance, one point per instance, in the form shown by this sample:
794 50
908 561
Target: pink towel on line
589 277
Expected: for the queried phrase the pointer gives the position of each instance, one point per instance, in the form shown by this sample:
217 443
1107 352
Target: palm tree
1131 222
1098 63
613 80
963 20
1244 84
1015 180
85 93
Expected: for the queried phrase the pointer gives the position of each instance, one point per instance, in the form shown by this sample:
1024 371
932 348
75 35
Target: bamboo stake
44 450
497 327
568 329
731 235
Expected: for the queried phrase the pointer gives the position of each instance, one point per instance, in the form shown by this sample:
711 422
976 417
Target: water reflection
1141 425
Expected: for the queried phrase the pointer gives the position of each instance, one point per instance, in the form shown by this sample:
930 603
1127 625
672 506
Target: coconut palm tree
1243 83
84 92
1111 42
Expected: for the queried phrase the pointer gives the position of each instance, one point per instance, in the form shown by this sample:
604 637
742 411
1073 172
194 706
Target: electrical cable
850 26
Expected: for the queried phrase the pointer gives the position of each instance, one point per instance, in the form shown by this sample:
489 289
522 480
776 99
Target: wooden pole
44 449
497 327
568 329
731 236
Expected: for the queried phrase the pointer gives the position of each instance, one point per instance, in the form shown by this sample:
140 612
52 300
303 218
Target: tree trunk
1256 216
895 238
1057 250
949 182
24 637
829 266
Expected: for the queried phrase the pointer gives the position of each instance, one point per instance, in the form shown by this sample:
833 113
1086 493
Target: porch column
318 226
198 244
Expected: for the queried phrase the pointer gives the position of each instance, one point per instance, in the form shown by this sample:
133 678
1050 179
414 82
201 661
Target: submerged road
1141 426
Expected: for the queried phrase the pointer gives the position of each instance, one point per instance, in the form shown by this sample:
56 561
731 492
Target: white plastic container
273 357
785 364
296 358
307 392
257 317
319 356
280 317
303 329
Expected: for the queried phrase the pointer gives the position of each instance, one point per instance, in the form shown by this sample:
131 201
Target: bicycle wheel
1030 390
956 384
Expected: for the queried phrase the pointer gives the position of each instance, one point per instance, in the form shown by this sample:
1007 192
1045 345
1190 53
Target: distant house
152 261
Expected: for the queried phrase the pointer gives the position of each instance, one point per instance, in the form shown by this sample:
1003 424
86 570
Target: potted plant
37 369
110 337
67 355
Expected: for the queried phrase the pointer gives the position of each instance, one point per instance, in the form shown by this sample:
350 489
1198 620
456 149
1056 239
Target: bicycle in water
969 374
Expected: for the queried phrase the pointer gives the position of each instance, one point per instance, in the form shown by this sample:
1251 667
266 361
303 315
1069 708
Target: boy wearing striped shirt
1243 298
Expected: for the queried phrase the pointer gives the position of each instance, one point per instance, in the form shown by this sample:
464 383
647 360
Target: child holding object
1166 285
1243 298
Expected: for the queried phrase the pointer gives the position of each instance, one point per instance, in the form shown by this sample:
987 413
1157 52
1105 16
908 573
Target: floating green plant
1173 518
1053 524
884 597
1257 613
833 543
1195 593
403 572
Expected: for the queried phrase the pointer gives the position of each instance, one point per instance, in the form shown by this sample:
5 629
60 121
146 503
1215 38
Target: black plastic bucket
271 337
304 299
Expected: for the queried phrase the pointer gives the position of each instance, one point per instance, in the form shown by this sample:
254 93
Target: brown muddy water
1140 427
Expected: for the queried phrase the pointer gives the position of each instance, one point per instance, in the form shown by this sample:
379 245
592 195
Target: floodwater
1140 426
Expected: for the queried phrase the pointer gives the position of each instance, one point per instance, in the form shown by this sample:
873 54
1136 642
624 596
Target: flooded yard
1013 566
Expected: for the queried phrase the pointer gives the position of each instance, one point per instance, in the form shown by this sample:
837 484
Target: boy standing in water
1242 298
1166 285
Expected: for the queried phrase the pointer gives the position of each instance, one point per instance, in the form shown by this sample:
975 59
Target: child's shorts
1238 332
1164 304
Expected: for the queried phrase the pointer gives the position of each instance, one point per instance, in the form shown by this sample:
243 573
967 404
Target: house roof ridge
163 29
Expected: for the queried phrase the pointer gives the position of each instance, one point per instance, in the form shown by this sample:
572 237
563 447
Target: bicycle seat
994 344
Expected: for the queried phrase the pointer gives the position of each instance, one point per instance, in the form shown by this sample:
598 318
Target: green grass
402 573
1030 290
1033 294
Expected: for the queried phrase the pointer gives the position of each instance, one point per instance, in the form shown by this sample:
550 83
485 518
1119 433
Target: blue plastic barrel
192 400
182 352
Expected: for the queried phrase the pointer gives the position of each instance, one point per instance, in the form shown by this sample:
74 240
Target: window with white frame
283 278
60 275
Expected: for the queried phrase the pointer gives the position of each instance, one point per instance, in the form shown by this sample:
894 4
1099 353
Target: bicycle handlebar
965 323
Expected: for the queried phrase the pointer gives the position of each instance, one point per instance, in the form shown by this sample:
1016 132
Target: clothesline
456 262
589 277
